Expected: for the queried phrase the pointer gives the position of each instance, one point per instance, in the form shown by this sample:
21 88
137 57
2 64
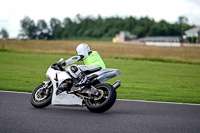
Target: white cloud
170 10
196 2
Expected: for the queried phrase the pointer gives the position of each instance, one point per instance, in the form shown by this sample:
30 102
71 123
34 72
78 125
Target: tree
182 20
28 29
55 28
4 34
183 24
163 28
42 30
68 25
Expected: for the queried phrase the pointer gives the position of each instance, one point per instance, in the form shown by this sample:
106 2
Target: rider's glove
63 63
59 65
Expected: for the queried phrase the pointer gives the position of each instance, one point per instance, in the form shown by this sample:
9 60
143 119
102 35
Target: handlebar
57 66
72 60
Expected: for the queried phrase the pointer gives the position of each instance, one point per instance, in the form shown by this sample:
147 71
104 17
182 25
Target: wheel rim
102 98
101 95
39 96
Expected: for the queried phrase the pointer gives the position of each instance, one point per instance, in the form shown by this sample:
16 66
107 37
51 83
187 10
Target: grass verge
141 79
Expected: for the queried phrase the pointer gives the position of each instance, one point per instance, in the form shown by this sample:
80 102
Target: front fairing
57 75
51 73
63 98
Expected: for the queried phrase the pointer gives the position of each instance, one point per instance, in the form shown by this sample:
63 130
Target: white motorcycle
97 96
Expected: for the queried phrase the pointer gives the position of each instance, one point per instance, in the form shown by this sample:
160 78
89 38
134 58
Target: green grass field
141 79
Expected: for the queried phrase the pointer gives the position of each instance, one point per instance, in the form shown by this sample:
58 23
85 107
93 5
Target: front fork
47 87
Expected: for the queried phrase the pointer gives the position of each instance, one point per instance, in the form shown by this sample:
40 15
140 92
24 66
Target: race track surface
17 115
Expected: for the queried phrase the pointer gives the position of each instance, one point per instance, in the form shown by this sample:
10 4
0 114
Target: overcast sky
12 11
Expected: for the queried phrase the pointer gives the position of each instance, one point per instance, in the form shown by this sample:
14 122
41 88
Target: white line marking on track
16 92
118 99
157 102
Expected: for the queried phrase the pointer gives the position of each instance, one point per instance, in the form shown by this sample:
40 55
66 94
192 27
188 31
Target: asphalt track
18 116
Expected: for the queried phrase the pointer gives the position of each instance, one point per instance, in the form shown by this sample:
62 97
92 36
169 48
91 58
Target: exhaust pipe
116 84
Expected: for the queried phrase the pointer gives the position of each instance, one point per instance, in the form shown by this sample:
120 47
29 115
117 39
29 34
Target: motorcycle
97 96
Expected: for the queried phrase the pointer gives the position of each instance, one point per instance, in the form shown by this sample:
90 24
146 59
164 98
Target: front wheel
105 101
41 97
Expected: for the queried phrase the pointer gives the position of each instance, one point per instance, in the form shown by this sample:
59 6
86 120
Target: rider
92 60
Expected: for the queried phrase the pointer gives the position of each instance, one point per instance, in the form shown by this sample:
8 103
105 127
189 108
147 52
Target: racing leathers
92 63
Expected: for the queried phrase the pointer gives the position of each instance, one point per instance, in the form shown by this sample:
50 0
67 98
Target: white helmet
83 49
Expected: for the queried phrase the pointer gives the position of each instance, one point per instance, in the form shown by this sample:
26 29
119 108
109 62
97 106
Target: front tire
105 102
39 99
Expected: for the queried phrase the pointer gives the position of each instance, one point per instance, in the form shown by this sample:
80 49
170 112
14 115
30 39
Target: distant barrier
170 44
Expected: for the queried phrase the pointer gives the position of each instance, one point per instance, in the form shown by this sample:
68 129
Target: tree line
99 28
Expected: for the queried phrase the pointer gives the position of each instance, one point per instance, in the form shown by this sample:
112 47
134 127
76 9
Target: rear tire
106 102
40 100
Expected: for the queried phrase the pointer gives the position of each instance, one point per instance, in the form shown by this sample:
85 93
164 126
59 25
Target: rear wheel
104 101
40 97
